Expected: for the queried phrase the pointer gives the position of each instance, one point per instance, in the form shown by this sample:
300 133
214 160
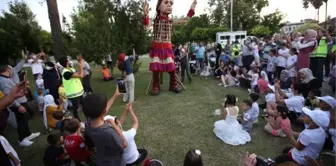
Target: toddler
281 60
255 107
276 125
312 101
74 143
55 154
291 63
193 158
206 71
246 120
39 82
40 99
59 116
11 153
271 65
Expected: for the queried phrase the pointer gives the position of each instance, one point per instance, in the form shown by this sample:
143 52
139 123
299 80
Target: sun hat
329 100
320 118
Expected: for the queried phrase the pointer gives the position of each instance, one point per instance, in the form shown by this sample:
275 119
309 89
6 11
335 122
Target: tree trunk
318 14
56 30
326 15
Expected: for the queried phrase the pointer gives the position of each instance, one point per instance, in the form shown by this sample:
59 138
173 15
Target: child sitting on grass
276 125
255 107
11 153
74 143
106 136
59 116
246 120
312 101
193 158
55 154
40 100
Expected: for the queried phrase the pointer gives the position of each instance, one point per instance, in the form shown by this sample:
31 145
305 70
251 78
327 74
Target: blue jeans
200 61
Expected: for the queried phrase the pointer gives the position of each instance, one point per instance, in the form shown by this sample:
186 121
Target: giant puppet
161 52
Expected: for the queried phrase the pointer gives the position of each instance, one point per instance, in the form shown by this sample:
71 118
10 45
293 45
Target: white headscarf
308 75
48 101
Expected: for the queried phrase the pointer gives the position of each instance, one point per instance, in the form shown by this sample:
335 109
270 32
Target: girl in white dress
228 129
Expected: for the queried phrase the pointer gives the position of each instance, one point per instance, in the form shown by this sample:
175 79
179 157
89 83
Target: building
290 27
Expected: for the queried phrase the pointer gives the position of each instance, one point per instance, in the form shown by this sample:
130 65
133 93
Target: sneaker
325 79
249 90
32 136
220 84
82 125
25 143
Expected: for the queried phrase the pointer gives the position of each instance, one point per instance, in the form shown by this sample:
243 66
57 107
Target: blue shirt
225 58
128 65
200 52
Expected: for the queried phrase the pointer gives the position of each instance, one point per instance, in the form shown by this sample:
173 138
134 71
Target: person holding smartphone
18 106
126 67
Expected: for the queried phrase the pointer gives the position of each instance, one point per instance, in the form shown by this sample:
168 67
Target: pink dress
303 59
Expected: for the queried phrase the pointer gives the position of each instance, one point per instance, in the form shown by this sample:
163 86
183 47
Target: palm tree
326 12
317 4
56 30
305 4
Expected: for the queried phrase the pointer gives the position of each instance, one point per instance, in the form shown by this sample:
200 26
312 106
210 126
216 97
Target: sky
291 8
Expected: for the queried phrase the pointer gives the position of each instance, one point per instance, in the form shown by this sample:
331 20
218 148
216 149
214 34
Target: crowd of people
281 73
285 74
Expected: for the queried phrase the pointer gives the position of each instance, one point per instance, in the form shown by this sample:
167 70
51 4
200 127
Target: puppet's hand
193 5
146 8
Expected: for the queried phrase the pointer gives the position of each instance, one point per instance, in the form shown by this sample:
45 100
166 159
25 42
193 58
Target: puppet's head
164 7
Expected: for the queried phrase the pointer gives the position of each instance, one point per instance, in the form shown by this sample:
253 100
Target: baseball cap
320 118
329 100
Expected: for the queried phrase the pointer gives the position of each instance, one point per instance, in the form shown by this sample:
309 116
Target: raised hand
146 8
193 5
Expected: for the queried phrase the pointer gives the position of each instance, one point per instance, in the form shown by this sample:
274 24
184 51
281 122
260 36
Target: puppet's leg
173 83
156 83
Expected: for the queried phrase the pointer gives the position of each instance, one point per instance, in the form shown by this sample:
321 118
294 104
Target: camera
262 161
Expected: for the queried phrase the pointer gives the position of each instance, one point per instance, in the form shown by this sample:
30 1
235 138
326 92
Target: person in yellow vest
236 52
330 58
72 83
319 56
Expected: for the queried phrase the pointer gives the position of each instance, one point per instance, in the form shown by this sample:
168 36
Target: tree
56 29
260 31
305 4
19 32
317 4
273 21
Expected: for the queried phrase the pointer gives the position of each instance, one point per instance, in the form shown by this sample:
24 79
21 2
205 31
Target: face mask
48 68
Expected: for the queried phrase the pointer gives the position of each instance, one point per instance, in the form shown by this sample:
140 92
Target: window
290 29
224 37
286 29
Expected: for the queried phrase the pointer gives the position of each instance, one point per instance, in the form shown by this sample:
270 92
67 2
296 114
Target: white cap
329 100
319 117
107 117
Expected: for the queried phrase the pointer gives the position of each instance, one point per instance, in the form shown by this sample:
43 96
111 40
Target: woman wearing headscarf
308 80
50 107
285 80
52 79
305 46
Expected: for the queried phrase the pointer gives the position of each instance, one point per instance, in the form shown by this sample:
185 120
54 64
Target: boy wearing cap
326 104
310 141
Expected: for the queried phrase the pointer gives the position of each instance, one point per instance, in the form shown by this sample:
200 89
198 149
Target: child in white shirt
39 82
12 155
271 65
291 62
281 62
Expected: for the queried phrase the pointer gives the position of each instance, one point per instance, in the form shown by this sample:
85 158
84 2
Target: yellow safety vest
235 48
333 49
322 49
72 87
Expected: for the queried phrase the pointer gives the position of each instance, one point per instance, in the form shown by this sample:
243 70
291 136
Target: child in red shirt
74 143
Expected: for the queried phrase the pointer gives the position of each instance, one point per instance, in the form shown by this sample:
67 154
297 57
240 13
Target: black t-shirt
53 157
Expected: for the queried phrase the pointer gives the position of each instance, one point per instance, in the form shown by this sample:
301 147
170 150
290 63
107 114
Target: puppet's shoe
155 91
175 89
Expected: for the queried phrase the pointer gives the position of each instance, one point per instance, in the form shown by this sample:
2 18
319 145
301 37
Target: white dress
230 131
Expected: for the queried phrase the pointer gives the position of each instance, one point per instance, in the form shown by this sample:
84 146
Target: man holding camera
71 80
126 67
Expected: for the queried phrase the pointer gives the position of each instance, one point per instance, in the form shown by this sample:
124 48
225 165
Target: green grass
170 124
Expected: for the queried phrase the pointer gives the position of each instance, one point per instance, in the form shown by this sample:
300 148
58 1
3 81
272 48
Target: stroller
212 62
192 64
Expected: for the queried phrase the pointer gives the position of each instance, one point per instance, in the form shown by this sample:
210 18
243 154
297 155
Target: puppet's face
166 7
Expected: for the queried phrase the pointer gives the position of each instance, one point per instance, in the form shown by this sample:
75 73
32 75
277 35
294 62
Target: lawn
170 124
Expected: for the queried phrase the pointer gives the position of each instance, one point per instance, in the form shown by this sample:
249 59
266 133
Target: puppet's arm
191 11
146 14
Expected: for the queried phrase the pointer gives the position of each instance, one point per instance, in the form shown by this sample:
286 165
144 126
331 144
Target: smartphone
121 85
